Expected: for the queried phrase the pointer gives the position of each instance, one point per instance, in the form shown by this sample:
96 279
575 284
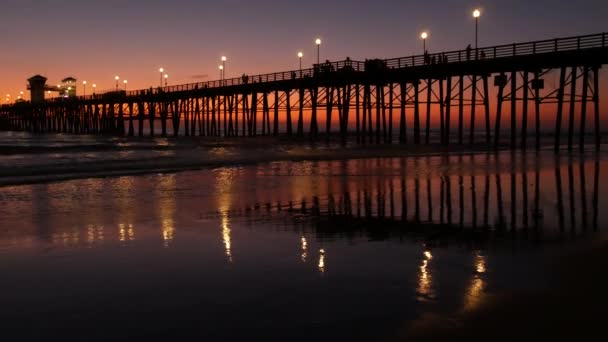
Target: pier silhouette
380 92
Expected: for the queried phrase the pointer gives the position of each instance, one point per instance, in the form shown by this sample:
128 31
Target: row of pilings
370 112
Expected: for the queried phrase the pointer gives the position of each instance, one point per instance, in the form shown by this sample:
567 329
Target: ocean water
296 242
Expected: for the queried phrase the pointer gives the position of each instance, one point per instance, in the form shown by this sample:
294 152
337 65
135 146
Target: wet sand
107 157
573 306
355 247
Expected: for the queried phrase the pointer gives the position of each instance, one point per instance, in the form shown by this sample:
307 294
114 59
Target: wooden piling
573 79
460 109
596 102
448 109
524 112
473 107
416 113
583 108
402 117
560 108
513 109
429 91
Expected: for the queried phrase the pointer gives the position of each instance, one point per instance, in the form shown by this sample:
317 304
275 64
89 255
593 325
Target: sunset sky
96 40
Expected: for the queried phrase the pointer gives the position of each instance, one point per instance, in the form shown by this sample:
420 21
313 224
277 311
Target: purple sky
96 40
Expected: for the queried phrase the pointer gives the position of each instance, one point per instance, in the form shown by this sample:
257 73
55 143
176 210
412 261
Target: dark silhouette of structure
239 106
37 86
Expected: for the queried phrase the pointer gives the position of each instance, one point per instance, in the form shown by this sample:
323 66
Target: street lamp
84 87
476 15
125 82
116 78
166 79
318 42
94 86
162 70
221 74
300 55
424 36
224 65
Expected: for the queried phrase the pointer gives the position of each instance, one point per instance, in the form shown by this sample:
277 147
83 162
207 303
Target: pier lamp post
318 42
116 78
424 36
166 79
125 82
224 65
476 15
94 86
162 70
84 88
221 75
300 55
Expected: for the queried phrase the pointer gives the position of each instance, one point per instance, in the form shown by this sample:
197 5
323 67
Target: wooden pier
370 101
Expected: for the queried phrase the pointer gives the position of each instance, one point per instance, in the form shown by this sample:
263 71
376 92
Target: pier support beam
573 78
560 109
584 108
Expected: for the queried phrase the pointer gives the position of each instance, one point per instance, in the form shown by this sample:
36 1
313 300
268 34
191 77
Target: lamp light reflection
424 290
474 294
322 260
304 248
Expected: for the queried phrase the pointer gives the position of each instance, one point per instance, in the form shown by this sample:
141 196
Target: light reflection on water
322 260
166 207
425 290
304 254
398 237
475 292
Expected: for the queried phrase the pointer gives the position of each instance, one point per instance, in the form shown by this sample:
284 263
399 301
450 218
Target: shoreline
233 156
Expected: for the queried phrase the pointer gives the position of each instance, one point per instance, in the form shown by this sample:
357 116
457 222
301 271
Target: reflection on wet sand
223 185
226 234
166 207
126 232
322 260
425 279
475 291
304 254
424 212
515 192
373 198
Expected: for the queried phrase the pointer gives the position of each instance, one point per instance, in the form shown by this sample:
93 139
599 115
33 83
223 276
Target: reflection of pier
478 205
375 96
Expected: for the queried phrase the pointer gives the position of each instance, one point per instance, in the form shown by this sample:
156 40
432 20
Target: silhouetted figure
293 75
468 52
482 55
245 78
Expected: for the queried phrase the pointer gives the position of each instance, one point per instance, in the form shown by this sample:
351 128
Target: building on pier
68 87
